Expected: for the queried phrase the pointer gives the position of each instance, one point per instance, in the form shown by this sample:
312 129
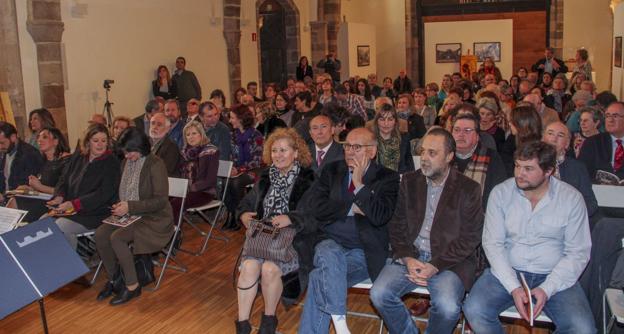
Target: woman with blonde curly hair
274 199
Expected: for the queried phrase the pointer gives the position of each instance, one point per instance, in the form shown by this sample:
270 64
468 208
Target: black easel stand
44 322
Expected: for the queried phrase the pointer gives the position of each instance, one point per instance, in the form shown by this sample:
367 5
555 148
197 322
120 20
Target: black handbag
144 268
265 241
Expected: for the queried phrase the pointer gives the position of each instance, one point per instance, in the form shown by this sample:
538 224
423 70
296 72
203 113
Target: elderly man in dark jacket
353 201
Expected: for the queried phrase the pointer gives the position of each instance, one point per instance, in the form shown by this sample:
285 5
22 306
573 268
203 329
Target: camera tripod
108 108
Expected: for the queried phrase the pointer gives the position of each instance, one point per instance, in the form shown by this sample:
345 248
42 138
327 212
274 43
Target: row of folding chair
510 313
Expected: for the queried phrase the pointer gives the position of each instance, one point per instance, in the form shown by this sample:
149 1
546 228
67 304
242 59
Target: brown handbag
265 241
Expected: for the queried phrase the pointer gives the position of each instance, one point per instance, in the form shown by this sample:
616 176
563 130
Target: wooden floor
202 300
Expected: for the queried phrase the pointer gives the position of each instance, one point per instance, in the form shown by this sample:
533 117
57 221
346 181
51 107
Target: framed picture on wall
617 52
487 49
363 55
448 52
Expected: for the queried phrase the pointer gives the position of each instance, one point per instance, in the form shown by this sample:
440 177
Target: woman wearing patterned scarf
393 148
275 197
199 164
143 192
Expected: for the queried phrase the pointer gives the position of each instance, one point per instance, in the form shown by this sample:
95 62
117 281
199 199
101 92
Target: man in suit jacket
352 201
433 248
602 151
549 64
163 146
142 122
324 150
19 159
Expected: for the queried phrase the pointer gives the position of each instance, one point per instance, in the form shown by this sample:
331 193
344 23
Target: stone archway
292 35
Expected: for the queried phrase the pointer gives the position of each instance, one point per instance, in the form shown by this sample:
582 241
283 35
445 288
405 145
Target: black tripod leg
44 322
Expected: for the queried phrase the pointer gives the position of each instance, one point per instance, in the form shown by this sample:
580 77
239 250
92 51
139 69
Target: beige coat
154 230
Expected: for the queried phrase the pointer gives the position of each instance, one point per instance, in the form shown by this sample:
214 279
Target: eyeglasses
465 131
355 147
614 116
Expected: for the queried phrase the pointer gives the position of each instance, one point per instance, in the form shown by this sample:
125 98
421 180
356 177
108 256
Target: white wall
388 19
617 81
467 32
127 40
350 36
589 25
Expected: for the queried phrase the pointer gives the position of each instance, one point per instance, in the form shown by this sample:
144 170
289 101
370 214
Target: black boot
106 291
232 223
125 296
243 327
268 324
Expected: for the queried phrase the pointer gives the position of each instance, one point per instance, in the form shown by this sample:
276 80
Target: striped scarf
478 166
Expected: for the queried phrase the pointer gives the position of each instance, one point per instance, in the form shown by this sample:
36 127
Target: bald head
558 135
360 146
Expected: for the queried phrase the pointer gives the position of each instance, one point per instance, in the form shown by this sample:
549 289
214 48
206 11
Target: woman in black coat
275 198
304 69
163 86
88 187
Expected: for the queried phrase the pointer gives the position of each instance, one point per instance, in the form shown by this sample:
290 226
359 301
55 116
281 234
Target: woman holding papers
55 150
143 192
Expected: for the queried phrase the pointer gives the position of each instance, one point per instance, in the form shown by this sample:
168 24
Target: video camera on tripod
108 83
108 106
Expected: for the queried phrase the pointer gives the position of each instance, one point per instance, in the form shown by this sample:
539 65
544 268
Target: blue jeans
445 288
568 309
335 269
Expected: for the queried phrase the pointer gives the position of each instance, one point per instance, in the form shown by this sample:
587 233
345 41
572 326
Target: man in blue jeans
536 225
353 200
434 233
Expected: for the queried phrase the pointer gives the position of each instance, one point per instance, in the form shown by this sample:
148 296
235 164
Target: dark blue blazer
28 161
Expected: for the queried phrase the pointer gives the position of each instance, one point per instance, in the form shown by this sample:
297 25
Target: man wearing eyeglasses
480 163
604 152
434 234
352 201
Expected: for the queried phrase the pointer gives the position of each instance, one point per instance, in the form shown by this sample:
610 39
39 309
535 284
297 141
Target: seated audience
431 89
269 92
120 123
489 114
353 200
568 169
326 93
18 159
277 198
535 226
473 159
172 111
162 146
218 98
591 120
605 151
375 89
247 157
352 102
363 90
548 115
525 125
580 99
164 86
393 148
387 89
324 149
282 108
142 122
39 119
432 248
192 110
55 150
303 114
199 164
220 135
143 191
266 119
422 108
87 187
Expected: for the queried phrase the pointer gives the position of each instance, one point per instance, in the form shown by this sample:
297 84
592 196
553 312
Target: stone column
46 28
556 27
318 36
331 13
11 79
232 35
413 36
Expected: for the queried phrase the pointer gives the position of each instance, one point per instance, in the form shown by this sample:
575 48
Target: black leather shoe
106 291
125 296
268 324
243 327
